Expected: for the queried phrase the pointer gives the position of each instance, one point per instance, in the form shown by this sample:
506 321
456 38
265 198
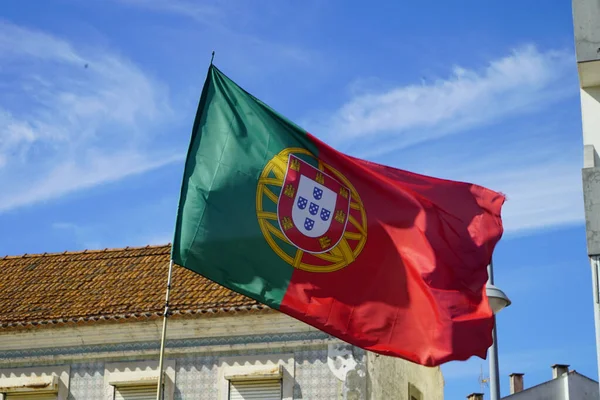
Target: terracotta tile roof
101 285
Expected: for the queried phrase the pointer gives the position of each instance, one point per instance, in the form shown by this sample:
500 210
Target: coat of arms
313 207
309 213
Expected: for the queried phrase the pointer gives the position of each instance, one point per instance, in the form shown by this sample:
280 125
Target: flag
384 259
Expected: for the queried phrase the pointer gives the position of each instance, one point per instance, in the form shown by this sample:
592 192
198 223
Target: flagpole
159 391
493 351
164 335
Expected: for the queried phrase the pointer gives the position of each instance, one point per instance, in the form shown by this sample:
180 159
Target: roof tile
90 285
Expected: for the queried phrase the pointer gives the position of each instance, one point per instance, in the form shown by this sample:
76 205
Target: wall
324 367
197 345
555 389
573 386
586 14
582 388
389 378
348 365
87 381
197 375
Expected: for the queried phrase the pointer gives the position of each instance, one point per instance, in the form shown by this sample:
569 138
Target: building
87 325
586 22
565 385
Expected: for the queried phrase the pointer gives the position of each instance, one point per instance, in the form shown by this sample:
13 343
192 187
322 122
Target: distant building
586 25
87 325
564 385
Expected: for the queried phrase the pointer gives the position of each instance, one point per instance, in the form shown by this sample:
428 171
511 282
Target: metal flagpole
159 390
493 351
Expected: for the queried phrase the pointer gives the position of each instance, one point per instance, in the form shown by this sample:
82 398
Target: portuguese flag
387 260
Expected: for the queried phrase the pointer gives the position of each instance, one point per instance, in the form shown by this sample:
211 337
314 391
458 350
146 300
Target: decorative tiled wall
314 380
86 381
197 376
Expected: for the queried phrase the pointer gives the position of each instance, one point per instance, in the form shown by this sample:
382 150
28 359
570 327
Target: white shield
313 207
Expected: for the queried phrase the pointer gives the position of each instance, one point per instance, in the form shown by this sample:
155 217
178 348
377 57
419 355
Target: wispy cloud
538 196
230 25
532 161
520 82
72 175
542 191
100 236
202 12
71 118
540 177
110 226
84 236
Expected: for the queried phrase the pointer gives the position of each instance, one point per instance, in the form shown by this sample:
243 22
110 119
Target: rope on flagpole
159 390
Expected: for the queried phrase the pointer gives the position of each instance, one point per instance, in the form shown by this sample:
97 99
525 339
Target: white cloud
71 175
538 169
16 41
541 194
71 119
520 82
538 196
200 12
83 235
230 28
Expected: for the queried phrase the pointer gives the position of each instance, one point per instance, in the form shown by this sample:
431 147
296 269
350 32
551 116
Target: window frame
134 373
276 379
414 392
257 367
37 379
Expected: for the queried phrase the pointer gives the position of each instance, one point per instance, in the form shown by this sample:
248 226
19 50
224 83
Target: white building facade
565 385
586 22
87 326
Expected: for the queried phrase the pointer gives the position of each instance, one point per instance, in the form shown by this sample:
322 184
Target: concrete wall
390 378
555 389
582 388
586 24
586 14
590 119
568 387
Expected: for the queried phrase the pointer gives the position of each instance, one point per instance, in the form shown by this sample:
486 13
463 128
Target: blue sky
97 100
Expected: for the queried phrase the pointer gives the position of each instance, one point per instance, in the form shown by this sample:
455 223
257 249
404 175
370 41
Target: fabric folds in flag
385 259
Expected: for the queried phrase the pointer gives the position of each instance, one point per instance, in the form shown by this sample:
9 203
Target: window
264 377
35 383
34 396
414 393
137 380
136 392
264 389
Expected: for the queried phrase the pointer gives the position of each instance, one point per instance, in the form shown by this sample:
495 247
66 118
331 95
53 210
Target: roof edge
140 316
89 251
